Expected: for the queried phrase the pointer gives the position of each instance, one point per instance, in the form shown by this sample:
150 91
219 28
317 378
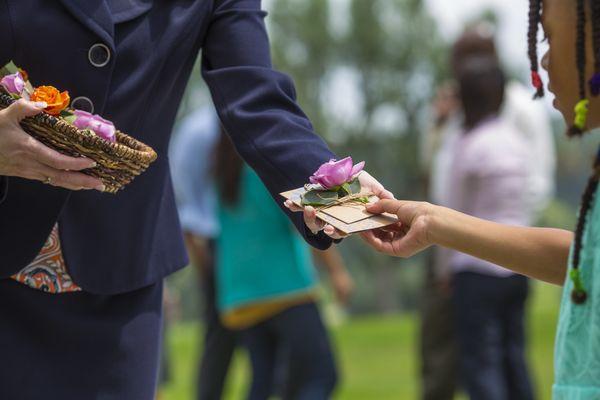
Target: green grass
377 355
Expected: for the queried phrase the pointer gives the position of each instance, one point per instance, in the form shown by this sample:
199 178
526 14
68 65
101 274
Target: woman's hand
23 156
407 237
316 225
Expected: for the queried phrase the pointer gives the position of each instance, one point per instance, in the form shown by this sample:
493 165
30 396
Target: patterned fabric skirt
48 271
79 345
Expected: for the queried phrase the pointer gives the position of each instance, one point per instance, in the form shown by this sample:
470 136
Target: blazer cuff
3 188
319 241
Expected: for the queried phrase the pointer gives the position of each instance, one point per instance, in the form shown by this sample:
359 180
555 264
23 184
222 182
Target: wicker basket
118 163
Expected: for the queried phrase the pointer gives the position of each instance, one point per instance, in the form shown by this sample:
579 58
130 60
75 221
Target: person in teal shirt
267 287
572 28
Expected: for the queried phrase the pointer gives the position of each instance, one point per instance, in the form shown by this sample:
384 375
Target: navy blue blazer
130 61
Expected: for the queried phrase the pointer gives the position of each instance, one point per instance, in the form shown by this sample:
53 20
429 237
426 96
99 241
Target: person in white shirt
530 121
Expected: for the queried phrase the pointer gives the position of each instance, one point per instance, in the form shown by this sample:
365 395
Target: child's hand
406 238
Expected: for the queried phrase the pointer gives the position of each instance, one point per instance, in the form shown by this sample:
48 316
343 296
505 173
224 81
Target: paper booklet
348 218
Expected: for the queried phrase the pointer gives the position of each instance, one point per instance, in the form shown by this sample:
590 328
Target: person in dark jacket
97 334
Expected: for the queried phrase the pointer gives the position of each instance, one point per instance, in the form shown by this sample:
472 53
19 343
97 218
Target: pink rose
14 83
101 127
335 173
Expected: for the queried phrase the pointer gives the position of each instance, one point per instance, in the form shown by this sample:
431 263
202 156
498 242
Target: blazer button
83 103
99 55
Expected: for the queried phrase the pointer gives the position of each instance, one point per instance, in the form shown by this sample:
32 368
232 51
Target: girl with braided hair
572 28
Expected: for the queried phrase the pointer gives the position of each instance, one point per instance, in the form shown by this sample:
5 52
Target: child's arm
540 253
340 279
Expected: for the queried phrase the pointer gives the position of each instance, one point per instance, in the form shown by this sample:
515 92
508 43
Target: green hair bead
578 295
581 113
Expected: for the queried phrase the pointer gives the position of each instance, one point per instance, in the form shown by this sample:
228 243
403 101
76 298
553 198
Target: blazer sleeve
3 188
257 105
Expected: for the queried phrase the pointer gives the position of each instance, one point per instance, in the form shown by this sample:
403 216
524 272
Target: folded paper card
347 217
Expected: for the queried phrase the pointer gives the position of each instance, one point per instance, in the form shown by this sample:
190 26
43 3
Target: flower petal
13 83
333 173
357 169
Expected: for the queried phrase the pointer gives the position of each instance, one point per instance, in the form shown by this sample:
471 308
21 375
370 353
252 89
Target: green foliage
319 198
9 69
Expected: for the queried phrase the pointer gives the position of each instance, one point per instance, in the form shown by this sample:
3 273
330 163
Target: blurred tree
365 71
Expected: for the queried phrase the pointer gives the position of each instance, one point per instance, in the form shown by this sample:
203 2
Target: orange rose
24 74
56 100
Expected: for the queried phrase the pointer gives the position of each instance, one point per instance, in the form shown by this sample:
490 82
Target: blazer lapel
127 10
95 15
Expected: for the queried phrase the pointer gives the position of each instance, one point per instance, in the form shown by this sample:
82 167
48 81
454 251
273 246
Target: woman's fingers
22 108
71 180
333 233
292 207
313 222
373 185
24 156
310 219
56 160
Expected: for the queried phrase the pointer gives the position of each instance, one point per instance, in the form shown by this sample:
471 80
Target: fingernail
40 104
100 188
94 164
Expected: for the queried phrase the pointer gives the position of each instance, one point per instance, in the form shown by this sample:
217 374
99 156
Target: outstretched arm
540 253
257 106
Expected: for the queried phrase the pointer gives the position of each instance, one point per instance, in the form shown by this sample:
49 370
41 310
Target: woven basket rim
137 149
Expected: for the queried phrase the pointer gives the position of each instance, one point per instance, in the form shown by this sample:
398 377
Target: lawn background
377 355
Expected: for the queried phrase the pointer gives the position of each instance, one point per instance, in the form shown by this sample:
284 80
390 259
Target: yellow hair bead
581 112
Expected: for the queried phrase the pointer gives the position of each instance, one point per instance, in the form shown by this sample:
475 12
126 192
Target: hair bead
536 81
578 294
581 113
595 84
535 7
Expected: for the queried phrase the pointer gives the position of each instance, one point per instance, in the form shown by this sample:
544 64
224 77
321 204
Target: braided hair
535 8
594 82
579 294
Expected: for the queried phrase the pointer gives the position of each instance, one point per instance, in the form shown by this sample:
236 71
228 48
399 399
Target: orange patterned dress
48 272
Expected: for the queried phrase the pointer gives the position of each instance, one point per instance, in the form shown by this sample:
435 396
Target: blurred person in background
267 288
192 162
438 343
488 174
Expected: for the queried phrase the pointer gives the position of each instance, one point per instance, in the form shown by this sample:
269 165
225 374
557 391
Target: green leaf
9 69
354 186
345 189
319 198
70 118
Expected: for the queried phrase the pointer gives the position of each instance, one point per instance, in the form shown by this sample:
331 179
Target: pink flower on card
335 173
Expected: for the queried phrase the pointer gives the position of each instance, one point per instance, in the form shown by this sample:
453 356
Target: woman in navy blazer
129 61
